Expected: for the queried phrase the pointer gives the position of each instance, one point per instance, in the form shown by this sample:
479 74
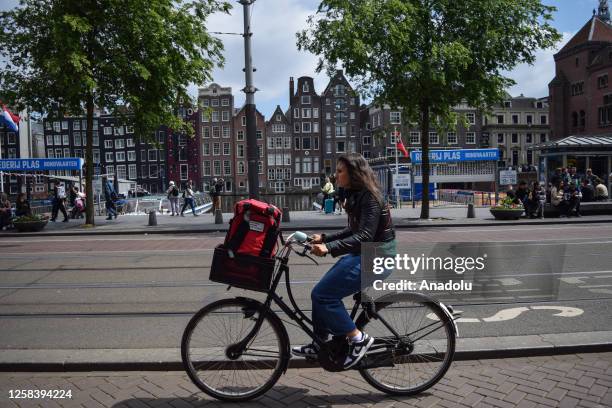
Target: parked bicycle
236 349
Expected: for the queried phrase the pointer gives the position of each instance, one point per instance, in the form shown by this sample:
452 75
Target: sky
276 58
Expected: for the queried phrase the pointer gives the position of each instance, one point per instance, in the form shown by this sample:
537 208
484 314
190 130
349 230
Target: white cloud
275 55
276 58
532 80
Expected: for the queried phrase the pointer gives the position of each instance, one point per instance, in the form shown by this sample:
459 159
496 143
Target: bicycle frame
296 314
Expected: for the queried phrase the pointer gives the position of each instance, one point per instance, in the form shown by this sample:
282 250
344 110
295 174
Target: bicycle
236 349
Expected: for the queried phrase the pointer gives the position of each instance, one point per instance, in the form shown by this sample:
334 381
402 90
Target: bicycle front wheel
430 338
207 353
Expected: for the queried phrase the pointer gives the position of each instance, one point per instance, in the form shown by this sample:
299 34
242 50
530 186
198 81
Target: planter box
30 226
506 214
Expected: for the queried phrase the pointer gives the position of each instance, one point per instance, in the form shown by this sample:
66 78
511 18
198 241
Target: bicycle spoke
431 347
255 369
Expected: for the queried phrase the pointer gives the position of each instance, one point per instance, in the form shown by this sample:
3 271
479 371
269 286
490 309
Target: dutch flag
9 119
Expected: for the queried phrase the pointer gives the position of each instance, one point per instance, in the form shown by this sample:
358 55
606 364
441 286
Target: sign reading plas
67 163
446 156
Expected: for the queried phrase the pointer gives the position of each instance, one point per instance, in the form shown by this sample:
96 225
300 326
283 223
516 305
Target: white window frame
437 138
470 138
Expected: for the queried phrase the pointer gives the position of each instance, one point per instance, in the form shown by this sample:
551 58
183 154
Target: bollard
218 216
152 219
286 217
470 213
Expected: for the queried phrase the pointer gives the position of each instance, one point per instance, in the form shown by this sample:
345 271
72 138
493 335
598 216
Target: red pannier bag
246 258
254 229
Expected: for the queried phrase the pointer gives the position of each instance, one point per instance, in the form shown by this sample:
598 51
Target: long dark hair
361 175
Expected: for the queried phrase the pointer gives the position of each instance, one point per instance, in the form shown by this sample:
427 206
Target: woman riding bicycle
368 221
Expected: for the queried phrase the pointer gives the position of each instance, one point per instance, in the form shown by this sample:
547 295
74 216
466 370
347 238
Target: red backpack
254 229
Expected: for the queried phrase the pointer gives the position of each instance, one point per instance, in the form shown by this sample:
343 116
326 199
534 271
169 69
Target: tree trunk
89 166
424 112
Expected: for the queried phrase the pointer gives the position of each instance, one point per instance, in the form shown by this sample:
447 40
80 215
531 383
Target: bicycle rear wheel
208 359
430 336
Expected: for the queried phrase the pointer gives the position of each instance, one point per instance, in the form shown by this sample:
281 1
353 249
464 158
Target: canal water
295 202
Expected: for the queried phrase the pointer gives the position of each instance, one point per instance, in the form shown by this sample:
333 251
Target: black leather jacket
368 222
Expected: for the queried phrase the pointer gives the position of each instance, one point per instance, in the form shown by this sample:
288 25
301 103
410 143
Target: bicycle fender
450 316
393 297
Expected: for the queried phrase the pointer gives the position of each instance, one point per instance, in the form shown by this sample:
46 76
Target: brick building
10 148
279 152
340 118
580 97
305 108
117 150
379 124
515 125
240 159
217 135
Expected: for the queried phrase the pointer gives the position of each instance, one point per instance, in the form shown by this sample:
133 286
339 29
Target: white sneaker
309 351
357 350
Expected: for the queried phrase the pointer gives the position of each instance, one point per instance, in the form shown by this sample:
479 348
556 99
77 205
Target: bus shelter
582 152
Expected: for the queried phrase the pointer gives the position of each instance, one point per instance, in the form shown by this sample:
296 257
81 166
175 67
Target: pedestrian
575 180
369 221
591 178
572 195
536 199
327 190
189 195
173 197
22 206
556 177
212 191
588 191
59 200
511 193
522 192
601 191
557 199
79 204
565 176
5 212
109 197
339 199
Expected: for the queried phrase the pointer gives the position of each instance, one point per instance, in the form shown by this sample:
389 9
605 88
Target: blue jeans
328 312
110 208
189 202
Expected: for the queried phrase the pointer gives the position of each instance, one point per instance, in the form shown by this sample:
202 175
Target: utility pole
396 187
249 90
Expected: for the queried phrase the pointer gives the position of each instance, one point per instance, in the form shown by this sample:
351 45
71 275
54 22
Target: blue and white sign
448 156
67 163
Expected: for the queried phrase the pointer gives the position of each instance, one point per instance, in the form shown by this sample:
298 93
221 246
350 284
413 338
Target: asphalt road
139 291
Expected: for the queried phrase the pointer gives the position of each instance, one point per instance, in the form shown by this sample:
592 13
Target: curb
289 227
110 360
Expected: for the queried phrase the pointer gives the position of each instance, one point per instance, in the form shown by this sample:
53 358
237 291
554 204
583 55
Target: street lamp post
250 112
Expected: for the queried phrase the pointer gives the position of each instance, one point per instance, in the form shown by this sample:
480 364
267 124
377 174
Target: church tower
604 12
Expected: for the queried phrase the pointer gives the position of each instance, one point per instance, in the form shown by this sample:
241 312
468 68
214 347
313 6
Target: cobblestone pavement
581 380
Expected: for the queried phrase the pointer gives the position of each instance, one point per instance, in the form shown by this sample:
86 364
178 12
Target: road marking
514 312
463 229
564 311
508 281
594 286
602 291
94 239
160 252
574 280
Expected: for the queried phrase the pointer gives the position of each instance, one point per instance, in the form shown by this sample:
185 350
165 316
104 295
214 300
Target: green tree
135 58
426 56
